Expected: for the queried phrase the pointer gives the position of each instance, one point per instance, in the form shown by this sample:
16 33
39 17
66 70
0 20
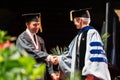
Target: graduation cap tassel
33 17
71 17
41 30
79 13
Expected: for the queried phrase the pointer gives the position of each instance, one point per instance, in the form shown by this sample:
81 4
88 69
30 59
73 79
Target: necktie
34 38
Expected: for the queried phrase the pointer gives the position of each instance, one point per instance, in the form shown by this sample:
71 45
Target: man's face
78 22
33 26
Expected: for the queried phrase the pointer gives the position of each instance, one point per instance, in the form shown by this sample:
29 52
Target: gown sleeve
95 58
49 65
65 59
65 64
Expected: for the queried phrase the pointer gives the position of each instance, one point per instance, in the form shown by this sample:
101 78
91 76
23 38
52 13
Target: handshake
54 60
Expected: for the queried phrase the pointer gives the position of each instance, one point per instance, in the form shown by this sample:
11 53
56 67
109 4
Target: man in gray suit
33 44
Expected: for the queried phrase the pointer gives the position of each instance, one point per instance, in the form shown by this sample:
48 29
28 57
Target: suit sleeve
22 44
49 65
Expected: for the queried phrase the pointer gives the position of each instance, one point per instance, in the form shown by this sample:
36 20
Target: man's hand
91 77
54 60
55 76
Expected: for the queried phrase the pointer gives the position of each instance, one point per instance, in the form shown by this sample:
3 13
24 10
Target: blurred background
57 28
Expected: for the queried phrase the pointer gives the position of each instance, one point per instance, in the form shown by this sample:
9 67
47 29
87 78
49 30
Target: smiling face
33 26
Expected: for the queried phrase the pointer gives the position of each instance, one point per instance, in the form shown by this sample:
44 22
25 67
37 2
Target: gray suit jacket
24 42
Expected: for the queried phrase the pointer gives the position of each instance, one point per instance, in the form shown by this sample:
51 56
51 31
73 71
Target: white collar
28 31
31 36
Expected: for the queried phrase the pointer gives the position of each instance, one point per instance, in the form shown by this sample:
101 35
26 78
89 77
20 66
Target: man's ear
26 24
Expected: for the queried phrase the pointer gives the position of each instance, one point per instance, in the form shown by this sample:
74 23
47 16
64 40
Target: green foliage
13 66
77 76
58 50
3 36
104 37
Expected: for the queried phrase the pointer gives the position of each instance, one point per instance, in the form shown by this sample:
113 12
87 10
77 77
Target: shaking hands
54 60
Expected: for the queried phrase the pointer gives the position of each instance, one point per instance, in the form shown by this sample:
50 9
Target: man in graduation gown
33 44
85 54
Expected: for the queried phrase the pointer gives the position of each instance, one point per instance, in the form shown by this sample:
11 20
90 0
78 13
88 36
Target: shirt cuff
48 58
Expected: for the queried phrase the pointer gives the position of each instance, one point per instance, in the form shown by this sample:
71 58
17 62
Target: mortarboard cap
79 13
33 17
